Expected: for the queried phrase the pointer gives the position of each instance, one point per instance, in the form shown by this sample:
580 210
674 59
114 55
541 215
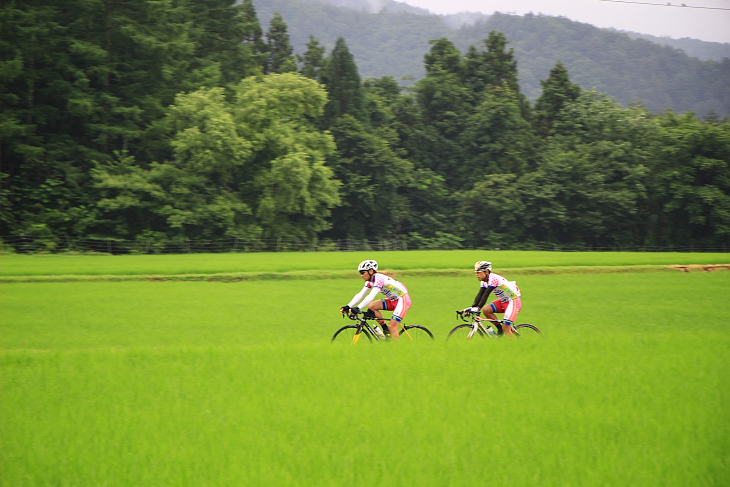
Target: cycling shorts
510 308
399 307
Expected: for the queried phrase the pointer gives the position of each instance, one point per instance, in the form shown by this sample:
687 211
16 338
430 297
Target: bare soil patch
701 267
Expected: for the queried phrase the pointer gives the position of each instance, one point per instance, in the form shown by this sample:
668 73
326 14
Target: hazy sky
708 25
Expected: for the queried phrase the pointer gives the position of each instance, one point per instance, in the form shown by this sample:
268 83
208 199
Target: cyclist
396 295
507 293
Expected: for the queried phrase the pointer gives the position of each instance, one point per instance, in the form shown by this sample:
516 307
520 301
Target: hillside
392 42
706 51
631 70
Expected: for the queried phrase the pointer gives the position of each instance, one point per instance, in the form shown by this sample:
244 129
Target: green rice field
200 383
41 265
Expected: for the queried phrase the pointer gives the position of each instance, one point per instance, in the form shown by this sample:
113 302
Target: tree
253 36
346 96
444 103
252 169
313 60
557 91
590 182
280 53
496 139
225 35
372 178
493 67
95 78
690 186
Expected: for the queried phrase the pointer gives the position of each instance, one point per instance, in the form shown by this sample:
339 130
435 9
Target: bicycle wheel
348 335
462 332
416 333
527 330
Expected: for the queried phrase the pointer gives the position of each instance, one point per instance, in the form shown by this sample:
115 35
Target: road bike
363 331
475 327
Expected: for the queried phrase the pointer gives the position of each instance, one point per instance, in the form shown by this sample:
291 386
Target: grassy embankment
308 265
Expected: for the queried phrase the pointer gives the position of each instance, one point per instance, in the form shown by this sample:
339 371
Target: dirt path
701 267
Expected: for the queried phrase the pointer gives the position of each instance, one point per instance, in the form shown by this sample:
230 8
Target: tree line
170 121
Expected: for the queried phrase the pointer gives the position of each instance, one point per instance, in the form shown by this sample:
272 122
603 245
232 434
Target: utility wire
668 4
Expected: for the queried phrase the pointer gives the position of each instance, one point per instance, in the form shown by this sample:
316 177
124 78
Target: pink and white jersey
504 290
387 286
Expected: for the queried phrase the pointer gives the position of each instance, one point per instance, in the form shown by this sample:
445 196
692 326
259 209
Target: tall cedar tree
445 105
346 95
223 34
253 35
557 90
95 77
493 66
280 53
313 60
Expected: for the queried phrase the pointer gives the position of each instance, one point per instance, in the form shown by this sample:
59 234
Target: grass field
36 265
211 383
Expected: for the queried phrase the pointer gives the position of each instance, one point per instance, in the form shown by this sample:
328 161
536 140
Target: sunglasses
362 272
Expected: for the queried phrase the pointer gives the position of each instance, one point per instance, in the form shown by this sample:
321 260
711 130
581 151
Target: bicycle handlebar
464 315
357 316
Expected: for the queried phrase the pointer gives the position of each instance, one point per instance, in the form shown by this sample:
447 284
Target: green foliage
691 189
228 40
557 91
497 139
252 169
313 60
340 77
592 177
372 175
280 53
154 121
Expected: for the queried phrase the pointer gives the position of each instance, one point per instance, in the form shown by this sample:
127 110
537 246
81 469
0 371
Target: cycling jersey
380 283
504 290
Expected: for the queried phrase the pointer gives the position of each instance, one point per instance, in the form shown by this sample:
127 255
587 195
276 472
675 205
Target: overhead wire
667 4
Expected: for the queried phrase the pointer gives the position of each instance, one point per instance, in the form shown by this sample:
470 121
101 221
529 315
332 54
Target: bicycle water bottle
491 331
378 331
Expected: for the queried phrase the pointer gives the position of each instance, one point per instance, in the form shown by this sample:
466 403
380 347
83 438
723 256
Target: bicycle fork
474 328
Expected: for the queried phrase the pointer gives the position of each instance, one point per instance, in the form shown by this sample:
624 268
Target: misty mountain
707 51
389 38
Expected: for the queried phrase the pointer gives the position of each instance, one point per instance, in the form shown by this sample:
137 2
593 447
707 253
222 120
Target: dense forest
393 43
707 51
150 123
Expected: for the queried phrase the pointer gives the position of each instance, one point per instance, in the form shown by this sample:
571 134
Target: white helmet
366 265
483 266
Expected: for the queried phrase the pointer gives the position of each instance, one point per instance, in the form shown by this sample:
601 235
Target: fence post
235 245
